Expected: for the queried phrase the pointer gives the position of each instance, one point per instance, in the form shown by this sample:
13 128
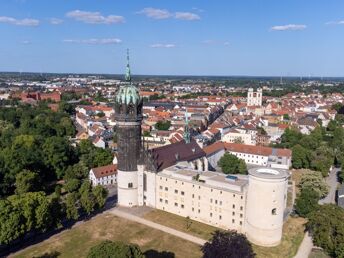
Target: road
331 180
307 242
117 212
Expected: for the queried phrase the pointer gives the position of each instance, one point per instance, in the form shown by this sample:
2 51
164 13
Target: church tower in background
128 115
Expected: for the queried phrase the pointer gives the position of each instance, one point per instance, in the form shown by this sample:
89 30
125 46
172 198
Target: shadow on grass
53 254
156 254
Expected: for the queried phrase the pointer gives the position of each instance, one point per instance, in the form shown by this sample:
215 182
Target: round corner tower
128 115
266 202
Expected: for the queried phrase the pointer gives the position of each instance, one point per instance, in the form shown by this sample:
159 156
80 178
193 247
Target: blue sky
174 37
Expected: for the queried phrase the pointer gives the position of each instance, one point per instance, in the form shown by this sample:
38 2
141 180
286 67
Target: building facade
254 98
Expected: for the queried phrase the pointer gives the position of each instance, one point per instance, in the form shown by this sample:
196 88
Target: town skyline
173 38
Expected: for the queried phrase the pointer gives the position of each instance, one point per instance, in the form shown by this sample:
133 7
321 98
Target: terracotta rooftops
243 148
105 171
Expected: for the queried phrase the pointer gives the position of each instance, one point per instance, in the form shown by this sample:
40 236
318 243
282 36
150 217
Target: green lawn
293 232
180 223
77 241
318 254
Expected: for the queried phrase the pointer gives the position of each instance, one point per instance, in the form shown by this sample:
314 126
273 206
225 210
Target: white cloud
94 41
289 27
23 22
335 23
158 45
26 42
187 16
154 13
55 21
160 14
94 17
197 9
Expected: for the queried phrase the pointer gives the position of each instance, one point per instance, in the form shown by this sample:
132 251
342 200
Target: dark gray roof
169 155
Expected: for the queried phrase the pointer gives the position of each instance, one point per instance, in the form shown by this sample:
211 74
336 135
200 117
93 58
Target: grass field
77 241
177 222
293 233
318 254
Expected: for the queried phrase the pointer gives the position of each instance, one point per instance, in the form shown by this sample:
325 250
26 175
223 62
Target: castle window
160 200
220 217
166 201
274 211
160 187
193 209
233 221
182 206
182 193
130 185
233 206
166 188
176 204
211 214
193 196
175 191
240 223
241 208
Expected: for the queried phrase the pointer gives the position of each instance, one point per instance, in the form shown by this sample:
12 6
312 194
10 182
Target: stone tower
128 115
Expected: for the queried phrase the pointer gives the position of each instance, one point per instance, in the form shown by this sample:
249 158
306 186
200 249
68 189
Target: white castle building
175 178
254 98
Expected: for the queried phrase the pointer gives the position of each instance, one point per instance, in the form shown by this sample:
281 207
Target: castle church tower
128 115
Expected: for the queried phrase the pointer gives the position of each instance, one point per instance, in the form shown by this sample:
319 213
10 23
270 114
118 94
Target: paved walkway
126 215
305 248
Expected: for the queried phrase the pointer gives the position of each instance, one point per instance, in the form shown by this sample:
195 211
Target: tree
286 117
72 185
326 226
300 157
315 181
322 159
227 244
87 198
71 209
163 125
306 202
230 164
58 154
12 224
100 194
26 181
109 249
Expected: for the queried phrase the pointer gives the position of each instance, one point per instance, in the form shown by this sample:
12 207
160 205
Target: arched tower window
274 211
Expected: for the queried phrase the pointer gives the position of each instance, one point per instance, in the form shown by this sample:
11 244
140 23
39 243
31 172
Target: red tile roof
104 171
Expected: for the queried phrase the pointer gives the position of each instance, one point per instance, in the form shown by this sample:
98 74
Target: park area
77 241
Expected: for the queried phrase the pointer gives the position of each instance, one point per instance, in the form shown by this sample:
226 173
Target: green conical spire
186 135
127 72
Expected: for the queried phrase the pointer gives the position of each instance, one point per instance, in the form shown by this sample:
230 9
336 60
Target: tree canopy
326 226
227 244
109 249
230 164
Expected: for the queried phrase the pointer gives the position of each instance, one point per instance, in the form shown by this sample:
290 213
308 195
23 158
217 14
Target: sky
174 37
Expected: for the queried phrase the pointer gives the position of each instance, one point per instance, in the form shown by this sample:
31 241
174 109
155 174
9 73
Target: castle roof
169 155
